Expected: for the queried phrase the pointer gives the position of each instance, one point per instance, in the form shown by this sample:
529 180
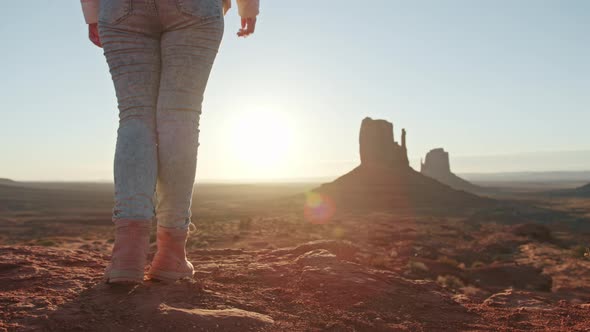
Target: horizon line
287 180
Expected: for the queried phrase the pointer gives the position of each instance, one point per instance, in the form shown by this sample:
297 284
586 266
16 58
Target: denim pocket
200 8
114 11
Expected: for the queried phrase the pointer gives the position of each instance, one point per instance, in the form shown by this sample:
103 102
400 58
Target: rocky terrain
378 272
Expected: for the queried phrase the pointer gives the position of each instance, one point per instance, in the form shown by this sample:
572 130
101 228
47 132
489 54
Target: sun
262 141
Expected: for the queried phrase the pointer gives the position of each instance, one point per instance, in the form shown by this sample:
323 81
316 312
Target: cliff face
437 166
436 163
378 146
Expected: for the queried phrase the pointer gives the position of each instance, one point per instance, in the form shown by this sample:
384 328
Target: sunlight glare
262 140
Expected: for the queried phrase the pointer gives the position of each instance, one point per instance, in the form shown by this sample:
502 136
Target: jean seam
129 11
181 8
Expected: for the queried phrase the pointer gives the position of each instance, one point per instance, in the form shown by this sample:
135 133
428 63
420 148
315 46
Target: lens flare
319 209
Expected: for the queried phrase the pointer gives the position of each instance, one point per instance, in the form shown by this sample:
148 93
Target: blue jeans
160 54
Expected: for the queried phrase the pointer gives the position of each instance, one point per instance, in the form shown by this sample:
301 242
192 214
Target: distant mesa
581 192
7 181
384 180
437 166
378 146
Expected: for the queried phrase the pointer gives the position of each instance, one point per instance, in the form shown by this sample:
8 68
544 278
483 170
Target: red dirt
317 286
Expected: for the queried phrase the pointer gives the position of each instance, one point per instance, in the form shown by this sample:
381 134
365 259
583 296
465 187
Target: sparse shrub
417 267
46 243
283 234
111 240
477 264
338 232
245 223
579 251
502 258
378 262
448 261
200 244
537 232
449 281
197 242
471 291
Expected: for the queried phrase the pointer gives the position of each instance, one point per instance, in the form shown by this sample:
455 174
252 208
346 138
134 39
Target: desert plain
263 263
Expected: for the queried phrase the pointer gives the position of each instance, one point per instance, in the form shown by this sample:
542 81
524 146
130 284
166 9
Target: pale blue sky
478 78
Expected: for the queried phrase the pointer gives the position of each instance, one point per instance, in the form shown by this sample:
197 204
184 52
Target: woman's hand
248 27
93 34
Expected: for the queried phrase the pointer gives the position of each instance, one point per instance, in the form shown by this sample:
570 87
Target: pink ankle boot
132 241
170 261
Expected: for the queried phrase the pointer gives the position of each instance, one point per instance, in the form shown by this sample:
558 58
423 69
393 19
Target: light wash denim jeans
160 54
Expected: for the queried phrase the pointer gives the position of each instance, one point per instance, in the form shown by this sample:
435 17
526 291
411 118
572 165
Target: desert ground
262 264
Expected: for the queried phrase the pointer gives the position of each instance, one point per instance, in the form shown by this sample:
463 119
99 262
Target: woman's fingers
93 34
251 25
248 27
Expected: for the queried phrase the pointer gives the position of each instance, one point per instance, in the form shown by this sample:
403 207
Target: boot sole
124 277
168 276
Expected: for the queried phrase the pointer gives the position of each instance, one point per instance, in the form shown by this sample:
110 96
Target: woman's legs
132 49
189 47
133 55
160 56
188 52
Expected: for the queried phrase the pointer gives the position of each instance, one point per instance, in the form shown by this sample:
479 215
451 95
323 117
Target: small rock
319 257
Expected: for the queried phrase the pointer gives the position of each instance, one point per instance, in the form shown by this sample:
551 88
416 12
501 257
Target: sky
502 85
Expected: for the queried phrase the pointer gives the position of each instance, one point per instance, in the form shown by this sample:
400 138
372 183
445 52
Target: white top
246 9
